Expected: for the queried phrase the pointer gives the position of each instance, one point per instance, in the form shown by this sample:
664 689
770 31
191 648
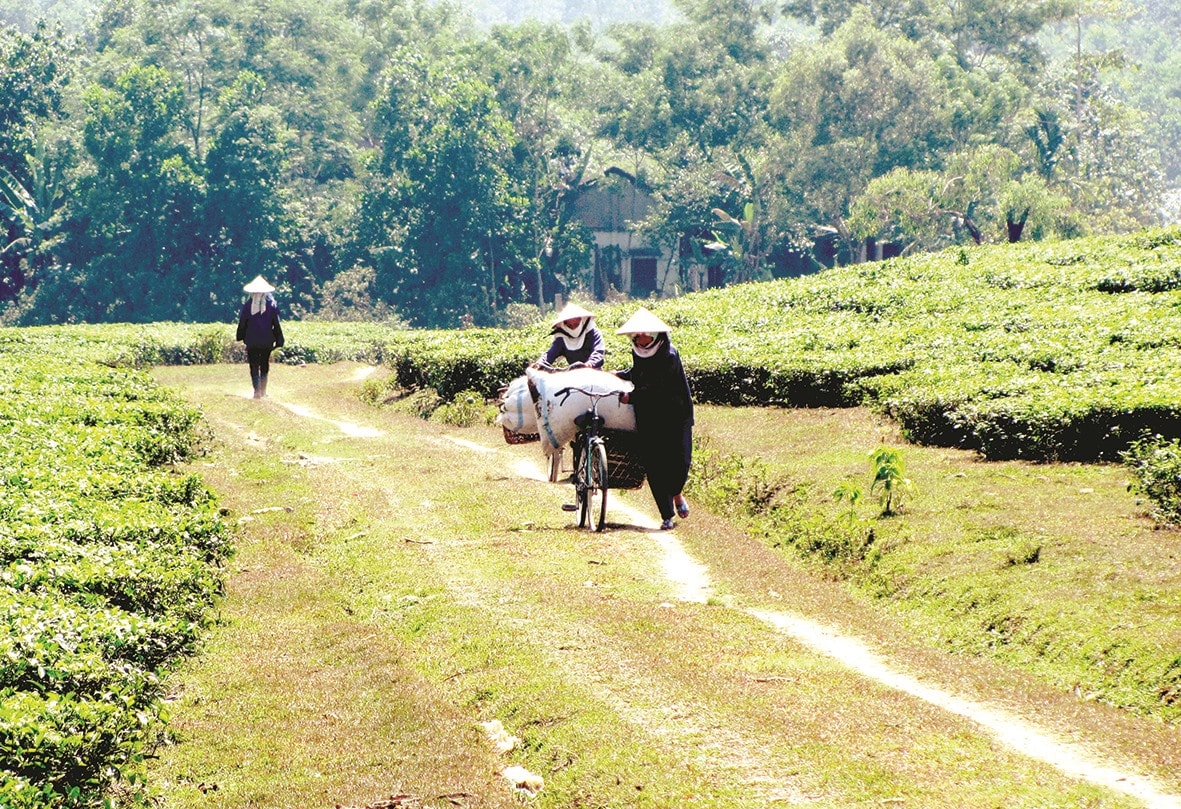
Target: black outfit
262 334
663 404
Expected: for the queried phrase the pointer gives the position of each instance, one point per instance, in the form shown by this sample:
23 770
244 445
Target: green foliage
848 492
1063 351
1019 353
889 479
772 506
1157 466
448 255
388 160
109 565
467 409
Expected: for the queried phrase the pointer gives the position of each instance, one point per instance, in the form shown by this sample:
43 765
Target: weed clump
1157 466
770 505
467 409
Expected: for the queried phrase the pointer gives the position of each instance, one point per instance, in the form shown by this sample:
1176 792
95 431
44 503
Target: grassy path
397 584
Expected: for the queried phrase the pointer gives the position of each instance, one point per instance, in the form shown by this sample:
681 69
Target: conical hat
571 311
258 285
643 322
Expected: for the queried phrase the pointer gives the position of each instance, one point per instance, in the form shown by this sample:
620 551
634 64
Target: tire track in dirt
591 660
691 581
713 742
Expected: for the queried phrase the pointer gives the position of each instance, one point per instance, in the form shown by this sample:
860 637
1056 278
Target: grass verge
393 591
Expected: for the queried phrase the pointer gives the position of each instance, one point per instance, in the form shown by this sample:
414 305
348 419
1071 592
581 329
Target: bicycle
590 461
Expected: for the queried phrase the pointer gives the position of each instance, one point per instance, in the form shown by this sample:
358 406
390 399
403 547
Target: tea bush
1157 466
109 563
1023 351
1044 351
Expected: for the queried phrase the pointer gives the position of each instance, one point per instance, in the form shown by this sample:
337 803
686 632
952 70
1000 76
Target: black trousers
667 454
259 358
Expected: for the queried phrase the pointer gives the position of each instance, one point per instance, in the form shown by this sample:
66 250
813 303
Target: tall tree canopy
398 156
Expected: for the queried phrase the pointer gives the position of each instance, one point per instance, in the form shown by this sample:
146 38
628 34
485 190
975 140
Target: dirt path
689 580
667 704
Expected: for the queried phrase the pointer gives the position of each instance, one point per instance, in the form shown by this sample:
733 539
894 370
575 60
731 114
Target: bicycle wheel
596 488
581 478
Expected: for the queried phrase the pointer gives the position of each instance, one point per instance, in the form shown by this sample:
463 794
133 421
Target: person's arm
243 316
555 350
682 380
598 349
277 330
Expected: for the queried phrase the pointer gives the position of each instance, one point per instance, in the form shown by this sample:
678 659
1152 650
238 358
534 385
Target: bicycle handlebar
565 392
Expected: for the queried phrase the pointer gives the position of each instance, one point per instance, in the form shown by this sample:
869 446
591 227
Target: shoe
682 508
667 525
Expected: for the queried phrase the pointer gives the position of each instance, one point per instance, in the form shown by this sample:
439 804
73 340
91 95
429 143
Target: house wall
622 259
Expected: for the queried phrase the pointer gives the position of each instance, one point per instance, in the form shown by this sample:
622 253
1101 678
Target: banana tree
19 210
28 211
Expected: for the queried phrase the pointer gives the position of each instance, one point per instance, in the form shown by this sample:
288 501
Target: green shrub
109 561
1156 464
467 409
779 510
1027 351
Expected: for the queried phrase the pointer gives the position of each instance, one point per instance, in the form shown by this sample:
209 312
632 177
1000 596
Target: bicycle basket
624 468
519 438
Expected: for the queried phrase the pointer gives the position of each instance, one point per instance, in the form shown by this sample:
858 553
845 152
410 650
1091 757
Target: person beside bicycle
663 403
576 339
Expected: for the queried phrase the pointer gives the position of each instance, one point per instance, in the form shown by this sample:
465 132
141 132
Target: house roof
611 203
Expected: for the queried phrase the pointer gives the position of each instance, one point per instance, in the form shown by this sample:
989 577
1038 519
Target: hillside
1059 350
400 582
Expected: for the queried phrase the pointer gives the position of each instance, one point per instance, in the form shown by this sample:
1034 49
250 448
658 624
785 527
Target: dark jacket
261 330
592 352
662 398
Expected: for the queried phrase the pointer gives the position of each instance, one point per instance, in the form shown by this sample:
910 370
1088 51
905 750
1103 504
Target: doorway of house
643 276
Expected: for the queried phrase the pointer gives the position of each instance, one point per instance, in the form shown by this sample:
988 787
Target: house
628 262
624 260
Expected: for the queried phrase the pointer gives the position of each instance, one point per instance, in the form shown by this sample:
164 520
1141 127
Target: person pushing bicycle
663 403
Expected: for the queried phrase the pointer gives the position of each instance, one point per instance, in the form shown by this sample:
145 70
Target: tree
439 220
983 194
1101 158
34 74
851 109
245 221
905 206
705 78
33 217
977 33
133 239
34 71
540 80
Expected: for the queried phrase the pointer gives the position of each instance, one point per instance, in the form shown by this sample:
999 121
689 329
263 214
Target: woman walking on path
259 329
663 403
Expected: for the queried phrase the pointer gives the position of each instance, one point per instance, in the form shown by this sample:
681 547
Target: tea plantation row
1059 351
1063 351
109 561
109 564
1051 351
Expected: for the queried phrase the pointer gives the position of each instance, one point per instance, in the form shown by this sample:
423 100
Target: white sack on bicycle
518 412
556 411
